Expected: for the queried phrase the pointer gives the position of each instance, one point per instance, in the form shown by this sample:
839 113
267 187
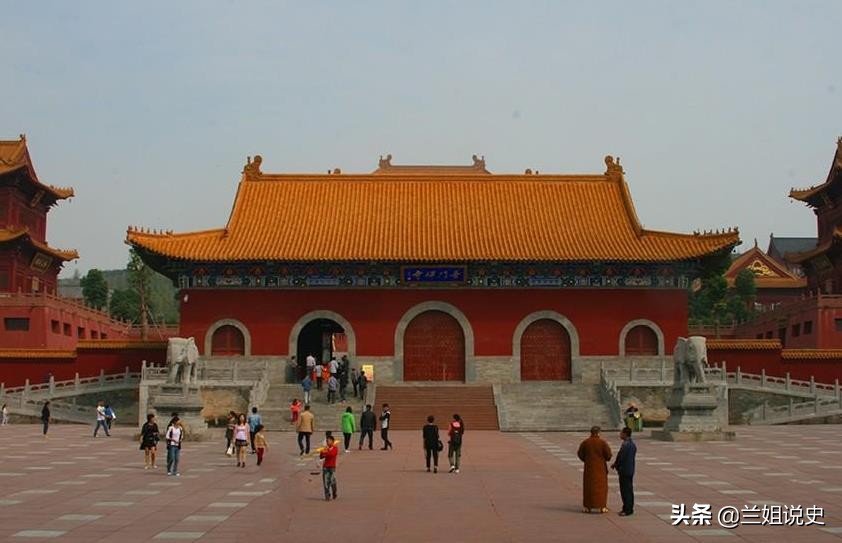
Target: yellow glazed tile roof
7 234
811 354
744 344
14 155
36 353
433 217
120 344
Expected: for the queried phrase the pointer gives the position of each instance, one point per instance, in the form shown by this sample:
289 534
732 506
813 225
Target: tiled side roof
768 273
14 155
811 354
120 344
11 235
433 218
743 344
36 353
784 246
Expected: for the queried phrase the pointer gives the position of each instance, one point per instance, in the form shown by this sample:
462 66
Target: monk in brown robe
595 453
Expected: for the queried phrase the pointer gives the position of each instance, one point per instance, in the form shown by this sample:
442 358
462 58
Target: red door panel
434 348
545 352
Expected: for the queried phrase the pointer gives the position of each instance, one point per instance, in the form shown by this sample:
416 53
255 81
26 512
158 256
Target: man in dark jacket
624 464
368 421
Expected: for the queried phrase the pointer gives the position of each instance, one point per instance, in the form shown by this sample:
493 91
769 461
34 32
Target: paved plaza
513 487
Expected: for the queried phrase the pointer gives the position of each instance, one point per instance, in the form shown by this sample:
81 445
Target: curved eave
800 258
59 254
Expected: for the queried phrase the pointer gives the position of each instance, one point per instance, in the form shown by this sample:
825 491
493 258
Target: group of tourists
245 435
595 453
105 417
433 445
173 437
334 376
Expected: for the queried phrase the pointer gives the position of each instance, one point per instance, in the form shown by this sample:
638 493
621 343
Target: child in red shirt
329 454
295 409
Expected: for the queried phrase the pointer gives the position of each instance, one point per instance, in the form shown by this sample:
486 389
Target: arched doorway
322 338
434 348
228 340
545 352
641 340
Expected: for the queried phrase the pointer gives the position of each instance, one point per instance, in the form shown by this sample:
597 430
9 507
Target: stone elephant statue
182 355
691 358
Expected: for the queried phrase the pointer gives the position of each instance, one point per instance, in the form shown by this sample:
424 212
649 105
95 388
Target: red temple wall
778 362
88 362
598 315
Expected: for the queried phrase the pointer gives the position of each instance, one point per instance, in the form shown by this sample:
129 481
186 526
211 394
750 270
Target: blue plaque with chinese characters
433 274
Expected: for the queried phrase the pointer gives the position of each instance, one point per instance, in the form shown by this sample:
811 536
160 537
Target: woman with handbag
432 443
149 437
241 439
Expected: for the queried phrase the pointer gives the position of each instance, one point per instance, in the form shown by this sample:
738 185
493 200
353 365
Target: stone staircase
551 406
276 415
411 404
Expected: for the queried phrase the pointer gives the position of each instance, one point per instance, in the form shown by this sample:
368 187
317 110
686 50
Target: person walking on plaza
260 443
328 454
174 437
110 415
333 366
368 421
100 419
363 384
319 371
349 426
355 381
624 464
454 442
385 417
430 433
307 386
305 427
45 417
332 387
254 420
229 433
4 415
595 453
241 439
149 437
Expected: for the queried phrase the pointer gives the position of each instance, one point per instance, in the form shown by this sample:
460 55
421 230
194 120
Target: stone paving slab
512 488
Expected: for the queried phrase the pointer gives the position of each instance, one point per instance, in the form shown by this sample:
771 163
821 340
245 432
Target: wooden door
545 352
434 348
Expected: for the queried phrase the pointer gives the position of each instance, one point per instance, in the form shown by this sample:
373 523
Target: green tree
95 289
140 276
125 305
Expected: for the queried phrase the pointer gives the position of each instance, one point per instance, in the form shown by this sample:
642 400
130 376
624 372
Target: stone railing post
101 378
142 369
25 389
126 374
836 390
813 385
724 372
52 385
788 382
2 391
76 383
763 378
738 377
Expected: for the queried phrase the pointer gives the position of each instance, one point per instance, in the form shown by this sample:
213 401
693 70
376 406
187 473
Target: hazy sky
149 109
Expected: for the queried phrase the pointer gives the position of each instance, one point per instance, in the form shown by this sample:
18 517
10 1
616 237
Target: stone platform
513 488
